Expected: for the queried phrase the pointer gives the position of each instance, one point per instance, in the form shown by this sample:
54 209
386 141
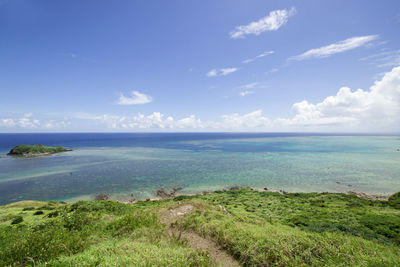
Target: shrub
111 207
52 214
131 222
394 200
39 212
17 220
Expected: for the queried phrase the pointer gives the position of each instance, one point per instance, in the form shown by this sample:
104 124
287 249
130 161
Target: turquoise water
122 164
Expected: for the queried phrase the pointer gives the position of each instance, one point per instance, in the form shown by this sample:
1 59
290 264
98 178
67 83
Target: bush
39 212
394 200
76 220
21 245
110 207
131 222
17 220
52 214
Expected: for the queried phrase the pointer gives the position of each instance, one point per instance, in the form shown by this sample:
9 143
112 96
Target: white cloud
227 71
27 121
245 88
253 119
22 122
272 70
272 22
339 47
250 85
376 109
244 93
137 98
266 53
221 72
156 120
212 73
384 59
362 109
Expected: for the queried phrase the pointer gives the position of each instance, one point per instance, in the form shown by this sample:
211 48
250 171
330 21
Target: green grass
260 229
315 212
35 149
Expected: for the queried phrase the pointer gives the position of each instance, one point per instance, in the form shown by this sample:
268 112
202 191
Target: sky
193 66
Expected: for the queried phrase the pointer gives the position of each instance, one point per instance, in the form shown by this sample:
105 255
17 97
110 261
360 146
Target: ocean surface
140 163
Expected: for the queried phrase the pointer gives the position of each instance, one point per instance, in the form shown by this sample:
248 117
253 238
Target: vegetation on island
34 150
255 228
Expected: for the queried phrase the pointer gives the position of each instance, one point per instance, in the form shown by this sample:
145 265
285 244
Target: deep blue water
160 140
140 163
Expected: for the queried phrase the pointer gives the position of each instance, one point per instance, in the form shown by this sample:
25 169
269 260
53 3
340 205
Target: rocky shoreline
368 196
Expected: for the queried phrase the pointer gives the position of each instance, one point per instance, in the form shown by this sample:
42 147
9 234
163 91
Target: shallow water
122 164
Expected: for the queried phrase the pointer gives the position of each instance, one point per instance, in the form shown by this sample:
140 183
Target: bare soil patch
217 254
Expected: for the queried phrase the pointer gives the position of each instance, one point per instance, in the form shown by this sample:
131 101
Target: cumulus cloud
376 109
272 22
360 110
371 110
339 47
23 122
266 53
221 72
250 120
379 106
156 120
27 121
136 98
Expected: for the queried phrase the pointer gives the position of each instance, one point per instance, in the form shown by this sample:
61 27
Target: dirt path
217 254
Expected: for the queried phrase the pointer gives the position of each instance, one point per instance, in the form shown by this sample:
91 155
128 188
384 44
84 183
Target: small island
35 150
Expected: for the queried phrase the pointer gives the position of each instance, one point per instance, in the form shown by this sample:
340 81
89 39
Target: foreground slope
253 228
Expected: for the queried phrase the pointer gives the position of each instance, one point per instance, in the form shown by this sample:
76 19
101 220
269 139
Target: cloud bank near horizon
376 109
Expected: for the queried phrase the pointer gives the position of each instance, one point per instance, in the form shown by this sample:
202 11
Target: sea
135 165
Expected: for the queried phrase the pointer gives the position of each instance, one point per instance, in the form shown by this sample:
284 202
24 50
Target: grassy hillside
27 150
256 228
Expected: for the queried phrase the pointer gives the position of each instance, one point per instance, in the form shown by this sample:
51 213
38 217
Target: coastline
363 195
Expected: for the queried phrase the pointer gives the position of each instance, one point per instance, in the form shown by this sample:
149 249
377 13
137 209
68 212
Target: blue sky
199 66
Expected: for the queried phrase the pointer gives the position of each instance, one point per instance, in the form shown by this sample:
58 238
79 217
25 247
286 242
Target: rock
162 194
367 196
265 188
102 197
223 209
